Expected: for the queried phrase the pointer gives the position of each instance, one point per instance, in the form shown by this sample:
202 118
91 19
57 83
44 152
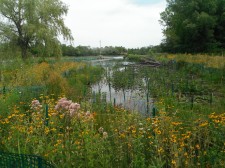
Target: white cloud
114 22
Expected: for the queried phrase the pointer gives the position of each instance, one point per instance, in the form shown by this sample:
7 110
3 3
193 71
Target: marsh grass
182 134
212 61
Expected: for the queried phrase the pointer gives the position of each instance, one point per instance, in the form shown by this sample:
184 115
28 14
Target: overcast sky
128 23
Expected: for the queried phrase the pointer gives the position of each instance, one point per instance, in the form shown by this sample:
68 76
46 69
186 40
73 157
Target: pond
121 86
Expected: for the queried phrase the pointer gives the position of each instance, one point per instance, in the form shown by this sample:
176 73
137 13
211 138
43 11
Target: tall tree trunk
24 52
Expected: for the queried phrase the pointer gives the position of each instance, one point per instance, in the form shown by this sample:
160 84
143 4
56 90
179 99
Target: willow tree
29 23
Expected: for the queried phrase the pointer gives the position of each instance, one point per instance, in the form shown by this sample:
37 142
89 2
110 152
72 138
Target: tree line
69 50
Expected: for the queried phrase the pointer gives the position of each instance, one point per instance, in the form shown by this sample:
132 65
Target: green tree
194 25
28 23
69 50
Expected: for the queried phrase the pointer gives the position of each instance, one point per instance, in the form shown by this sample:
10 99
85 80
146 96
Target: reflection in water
132 98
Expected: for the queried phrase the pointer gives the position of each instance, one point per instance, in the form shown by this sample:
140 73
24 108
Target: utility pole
100 48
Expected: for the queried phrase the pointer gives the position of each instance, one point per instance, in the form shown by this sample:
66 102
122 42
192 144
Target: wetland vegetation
182 122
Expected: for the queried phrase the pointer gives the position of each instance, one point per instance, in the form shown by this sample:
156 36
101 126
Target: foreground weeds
69 136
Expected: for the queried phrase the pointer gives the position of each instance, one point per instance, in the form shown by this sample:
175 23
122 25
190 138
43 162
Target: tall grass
184 133
209 61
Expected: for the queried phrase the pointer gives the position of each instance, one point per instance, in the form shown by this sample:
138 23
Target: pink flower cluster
67 105
36 105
